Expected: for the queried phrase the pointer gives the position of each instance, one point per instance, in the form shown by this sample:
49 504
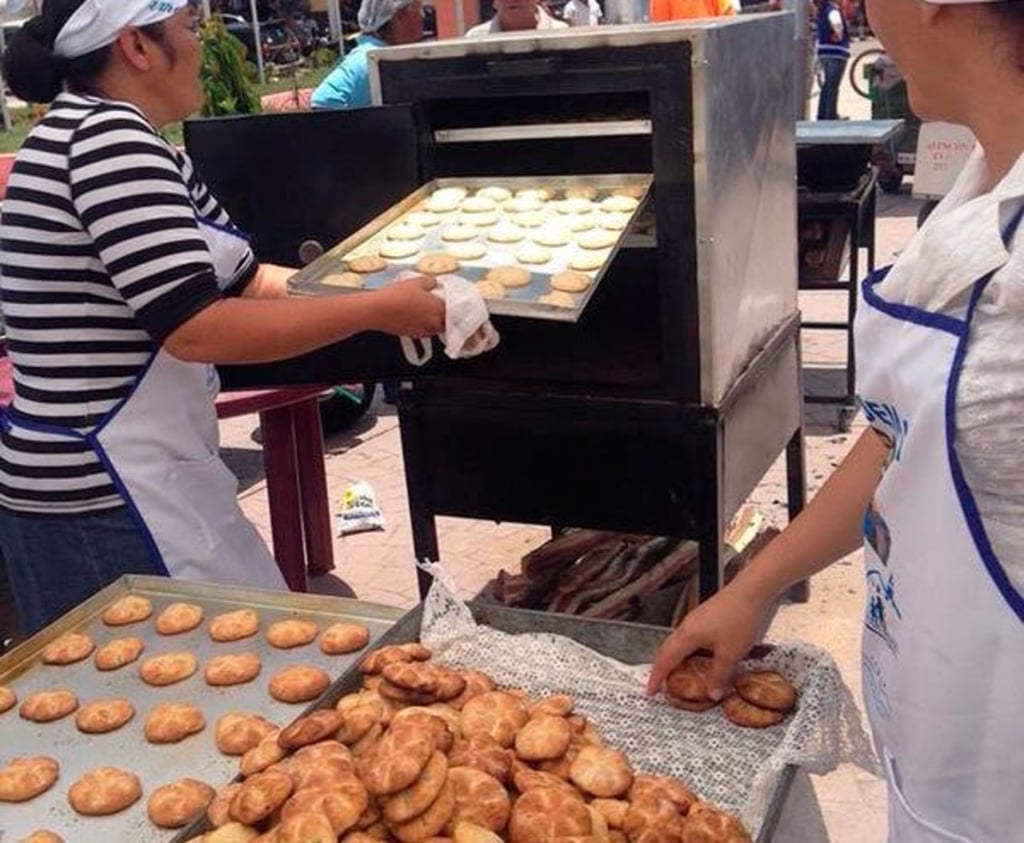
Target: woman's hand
727 625
827 529
408 309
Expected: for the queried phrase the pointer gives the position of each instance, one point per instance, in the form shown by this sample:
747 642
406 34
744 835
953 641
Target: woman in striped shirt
123 280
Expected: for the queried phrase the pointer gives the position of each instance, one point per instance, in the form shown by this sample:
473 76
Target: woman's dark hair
35 74
1010 14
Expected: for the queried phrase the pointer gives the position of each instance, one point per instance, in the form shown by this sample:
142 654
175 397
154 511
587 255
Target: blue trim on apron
906 313
7 413
963 491
115 478
133 510
109 417
226 229
960 328
93 442
967 502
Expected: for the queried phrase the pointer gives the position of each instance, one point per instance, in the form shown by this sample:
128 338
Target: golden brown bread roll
130 609
341 638
104 790
233 626
176 804
167 668
178 618
46 706
68 649
547 812
102 716
7 699
24 778
480 799
172 722
118 653
293 632
298 683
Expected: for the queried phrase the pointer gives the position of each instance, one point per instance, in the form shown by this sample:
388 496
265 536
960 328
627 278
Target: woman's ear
136 50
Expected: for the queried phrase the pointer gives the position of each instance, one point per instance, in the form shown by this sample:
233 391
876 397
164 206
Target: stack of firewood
617 576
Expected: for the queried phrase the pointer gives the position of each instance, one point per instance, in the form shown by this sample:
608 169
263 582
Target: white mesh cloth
735 768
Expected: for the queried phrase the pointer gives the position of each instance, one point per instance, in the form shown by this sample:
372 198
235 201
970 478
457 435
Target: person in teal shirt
383 23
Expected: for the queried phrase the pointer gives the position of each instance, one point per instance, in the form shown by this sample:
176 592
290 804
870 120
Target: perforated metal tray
195 756
521 301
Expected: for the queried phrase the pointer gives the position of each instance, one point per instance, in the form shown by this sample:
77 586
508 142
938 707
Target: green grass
23 119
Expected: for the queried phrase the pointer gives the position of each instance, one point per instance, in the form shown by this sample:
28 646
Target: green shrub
223 73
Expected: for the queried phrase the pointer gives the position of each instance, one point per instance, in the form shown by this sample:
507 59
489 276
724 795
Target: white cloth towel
467 331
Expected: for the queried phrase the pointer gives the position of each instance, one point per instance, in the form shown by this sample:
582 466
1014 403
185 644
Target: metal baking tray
154 764
630 643
517 302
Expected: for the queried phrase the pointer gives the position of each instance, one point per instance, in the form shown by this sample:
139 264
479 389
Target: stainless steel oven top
582 38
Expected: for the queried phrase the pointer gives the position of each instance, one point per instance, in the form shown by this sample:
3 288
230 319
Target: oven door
298 183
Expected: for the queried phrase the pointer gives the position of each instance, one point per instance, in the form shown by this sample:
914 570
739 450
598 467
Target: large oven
661 407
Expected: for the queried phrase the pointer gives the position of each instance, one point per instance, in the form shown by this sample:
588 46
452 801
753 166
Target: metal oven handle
517 68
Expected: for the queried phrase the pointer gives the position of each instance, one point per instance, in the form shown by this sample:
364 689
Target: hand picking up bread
761 698
428 751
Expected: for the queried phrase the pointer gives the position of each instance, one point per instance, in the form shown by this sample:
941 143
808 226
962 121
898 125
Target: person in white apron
943 672
83 249
943 641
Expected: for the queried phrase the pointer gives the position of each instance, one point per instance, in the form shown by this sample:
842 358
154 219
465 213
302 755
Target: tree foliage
223 74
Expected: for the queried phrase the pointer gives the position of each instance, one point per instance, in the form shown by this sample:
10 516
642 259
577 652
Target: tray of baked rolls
417 744
121 720
534 247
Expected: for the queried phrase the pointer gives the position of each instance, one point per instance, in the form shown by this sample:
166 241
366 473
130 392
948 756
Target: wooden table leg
280 466
316 510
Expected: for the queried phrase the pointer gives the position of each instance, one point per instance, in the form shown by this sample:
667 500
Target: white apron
943 650
160 446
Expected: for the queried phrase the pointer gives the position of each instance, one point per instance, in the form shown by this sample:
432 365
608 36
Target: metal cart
836 213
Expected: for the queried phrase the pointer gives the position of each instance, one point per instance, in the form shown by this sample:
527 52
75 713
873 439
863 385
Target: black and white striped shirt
101 259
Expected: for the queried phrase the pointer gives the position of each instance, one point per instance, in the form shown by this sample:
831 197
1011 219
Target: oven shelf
544 131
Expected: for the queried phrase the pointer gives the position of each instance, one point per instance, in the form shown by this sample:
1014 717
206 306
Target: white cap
373 14
97 23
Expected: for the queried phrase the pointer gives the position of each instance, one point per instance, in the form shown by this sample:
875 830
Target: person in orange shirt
666 10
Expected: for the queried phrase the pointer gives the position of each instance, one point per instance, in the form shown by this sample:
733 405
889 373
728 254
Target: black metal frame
648 458
858 208
653 467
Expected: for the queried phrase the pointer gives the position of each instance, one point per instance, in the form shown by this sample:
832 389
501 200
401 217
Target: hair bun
32 71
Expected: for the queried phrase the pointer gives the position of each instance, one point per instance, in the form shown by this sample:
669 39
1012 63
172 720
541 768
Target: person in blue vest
382 23
833 53
932 492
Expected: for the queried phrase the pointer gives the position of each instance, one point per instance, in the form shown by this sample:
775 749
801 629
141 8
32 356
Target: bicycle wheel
858 79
